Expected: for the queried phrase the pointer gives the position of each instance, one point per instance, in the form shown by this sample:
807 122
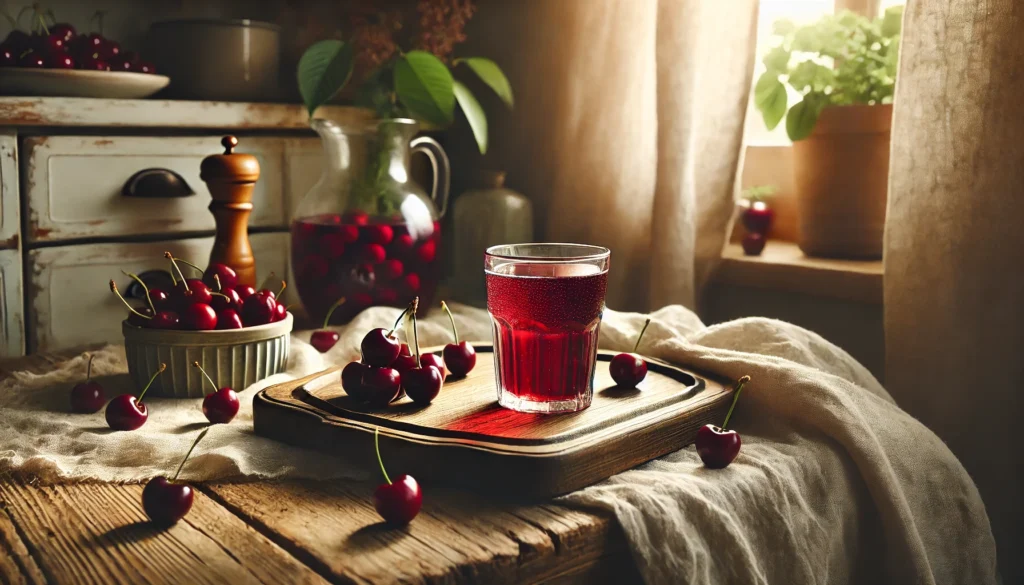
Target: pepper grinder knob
230 178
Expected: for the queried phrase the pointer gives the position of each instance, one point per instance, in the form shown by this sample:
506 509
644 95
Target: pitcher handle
442 170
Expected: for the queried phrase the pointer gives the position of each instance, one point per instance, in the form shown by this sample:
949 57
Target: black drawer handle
154 279
156 184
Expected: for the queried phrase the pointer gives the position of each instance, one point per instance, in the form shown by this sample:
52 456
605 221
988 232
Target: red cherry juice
367 261
546 322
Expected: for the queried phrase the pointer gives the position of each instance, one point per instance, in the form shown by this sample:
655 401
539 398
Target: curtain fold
627 130
954 247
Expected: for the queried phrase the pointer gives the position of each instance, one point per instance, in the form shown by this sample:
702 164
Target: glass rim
598 253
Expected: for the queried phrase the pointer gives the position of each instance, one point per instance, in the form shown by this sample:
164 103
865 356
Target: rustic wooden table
296 532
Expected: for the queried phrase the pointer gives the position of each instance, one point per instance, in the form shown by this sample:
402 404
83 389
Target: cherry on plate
460 357
380 347
629 369
381 385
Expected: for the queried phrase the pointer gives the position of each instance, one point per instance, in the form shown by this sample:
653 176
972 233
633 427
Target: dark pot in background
221 60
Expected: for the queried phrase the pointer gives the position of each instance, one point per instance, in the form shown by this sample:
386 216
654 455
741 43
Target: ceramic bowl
235 358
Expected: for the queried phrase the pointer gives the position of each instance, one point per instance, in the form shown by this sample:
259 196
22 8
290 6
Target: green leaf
323 70
474 114
770 98
783 27
425 87
489 72
892 21
776 60
802 117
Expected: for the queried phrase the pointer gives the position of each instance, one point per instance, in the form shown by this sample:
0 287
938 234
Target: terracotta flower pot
841 173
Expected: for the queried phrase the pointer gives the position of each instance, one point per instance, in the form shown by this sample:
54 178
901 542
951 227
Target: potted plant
842 69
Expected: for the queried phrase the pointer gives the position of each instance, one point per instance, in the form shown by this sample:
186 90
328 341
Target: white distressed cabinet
67 225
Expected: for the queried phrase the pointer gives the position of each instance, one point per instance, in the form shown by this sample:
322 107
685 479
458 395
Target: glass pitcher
366 231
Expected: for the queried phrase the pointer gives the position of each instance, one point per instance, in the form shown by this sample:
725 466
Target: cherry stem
641 336
327 319
113 289
88 368
181 276
266 280
136 278
220 294
205 375
187 263
189 454
376 445
455 331
284 285
150 383
735 397
216 278
398 321
415 333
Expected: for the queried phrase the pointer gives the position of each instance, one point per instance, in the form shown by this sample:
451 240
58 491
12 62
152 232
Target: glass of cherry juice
546 303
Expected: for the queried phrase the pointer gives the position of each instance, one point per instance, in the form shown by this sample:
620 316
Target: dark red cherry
227 298
195 292
87 397
229 319
412 282
355 217
391 269
460 357
144 67
427 251
323 341
349 233
374 254
32 60
379 348
434 360
716 446
166 320
379 234
402 245
422 384
64 30
403 363
160 299
753 244
352 381
199 317
219 406
628 369
126 412
109 50
381 385
244 291
90 63
120 64
165 502
758 218
226 274
280 312
8 57
139 318
398 502
59 60
258 309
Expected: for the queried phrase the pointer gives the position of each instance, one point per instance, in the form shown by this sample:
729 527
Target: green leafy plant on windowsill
414 84
841 59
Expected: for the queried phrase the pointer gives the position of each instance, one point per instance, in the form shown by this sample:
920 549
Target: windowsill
782 266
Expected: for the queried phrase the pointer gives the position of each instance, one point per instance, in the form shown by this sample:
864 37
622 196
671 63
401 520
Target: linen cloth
954 288
834 483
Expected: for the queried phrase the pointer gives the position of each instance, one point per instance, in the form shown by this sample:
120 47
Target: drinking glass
546 303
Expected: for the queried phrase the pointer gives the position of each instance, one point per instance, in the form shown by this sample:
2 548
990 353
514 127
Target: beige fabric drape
954 256
627 130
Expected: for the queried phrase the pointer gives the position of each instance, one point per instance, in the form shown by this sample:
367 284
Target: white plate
19 81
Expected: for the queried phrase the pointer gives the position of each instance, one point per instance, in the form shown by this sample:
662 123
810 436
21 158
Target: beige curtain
627 130
954 256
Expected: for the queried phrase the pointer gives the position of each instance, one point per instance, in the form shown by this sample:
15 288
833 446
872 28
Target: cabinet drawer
70 299
12 325
9 215
73 185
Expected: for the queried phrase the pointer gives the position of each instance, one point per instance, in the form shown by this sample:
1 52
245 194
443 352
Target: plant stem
181 276
641 336
187 263
376 445
415 333
330 311
398 321
205 375
216 278
284 285
88 368
189 454
144 287
150 383
455 331
113 289
735 398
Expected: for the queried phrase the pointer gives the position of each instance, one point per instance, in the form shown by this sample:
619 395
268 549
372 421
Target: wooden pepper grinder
230 178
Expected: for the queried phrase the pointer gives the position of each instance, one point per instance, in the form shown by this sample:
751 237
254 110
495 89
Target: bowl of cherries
240 333
53 59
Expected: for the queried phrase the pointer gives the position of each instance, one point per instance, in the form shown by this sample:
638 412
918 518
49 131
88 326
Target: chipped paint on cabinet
10 217
12 322
71 303
73 185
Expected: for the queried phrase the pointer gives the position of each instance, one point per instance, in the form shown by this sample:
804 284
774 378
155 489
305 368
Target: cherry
349 233
219 406
716 446
427 251
32 60
423 382
397 502
629 369
380 385
460 357
258 309
356 217
120 64
144 67
8 56
380 347
323 340
402 245
167 501
156 298
87 397
189 290
280 312
758 217
126 412
59 60
18 41
244 291
412 282
374 253
352 381
90 63
753 244
136 317
434 360
220 276
227 298
63 30
229 319
379 234
109 49
392 269
199 317
166 320
90 44
333 245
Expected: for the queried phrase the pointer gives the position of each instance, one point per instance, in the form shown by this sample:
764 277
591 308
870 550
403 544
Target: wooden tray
465 439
